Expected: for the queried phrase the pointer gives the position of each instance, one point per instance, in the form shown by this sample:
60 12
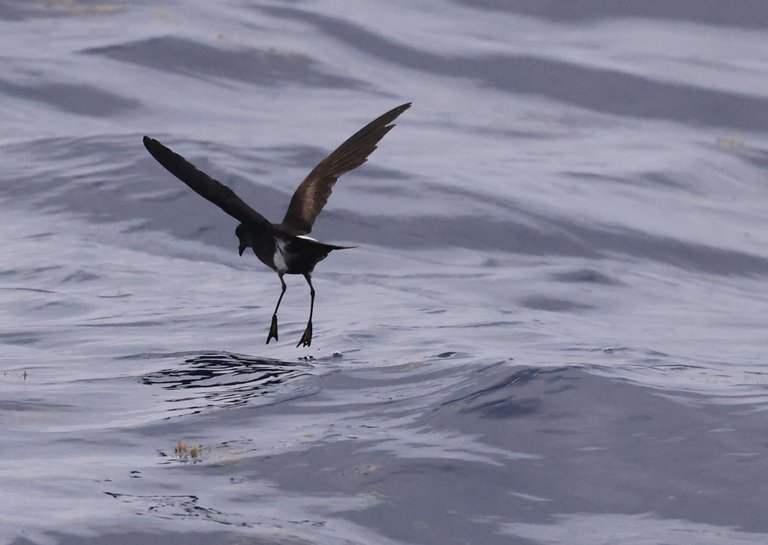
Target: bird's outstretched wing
204 185
312 194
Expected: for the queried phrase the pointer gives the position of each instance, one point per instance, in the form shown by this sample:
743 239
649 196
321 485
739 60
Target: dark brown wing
310 197
204 185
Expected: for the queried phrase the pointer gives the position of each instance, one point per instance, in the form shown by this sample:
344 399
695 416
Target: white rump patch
279 258
305 237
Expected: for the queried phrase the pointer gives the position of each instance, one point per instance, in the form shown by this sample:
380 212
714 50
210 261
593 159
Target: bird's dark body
301 255
284 247
283 252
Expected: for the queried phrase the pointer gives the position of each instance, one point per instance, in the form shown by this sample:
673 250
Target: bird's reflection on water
227 379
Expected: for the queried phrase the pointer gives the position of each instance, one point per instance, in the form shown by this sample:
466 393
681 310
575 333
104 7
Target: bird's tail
316 248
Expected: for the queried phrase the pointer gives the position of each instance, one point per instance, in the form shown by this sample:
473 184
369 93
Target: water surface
552 330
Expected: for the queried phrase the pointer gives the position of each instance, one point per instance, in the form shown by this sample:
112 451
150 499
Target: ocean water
552 330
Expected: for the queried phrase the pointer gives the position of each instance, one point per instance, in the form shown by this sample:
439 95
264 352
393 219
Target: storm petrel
284 247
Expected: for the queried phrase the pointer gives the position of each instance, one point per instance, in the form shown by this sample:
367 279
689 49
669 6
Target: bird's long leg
306 338
273 327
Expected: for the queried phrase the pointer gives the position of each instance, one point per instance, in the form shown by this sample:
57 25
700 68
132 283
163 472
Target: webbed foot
306 338
273 329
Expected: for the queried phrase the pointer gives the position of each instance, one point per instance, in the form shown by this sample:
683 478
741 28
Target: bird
285 247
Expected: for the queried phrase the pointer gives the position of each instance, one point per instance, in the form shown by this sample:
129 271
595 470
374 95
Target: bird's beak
241 249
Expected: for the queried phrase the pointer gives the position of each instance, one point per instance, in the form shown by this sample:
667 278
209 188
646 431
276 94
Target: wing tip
150 143
394 113
400 109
